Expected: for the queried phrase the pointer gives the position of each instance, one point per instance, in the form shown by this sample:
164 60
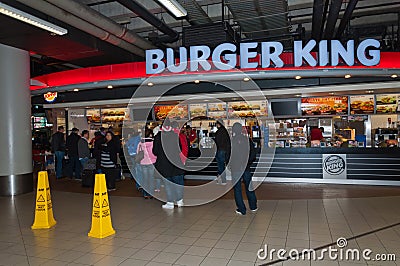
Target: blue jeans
59 164
221 158
237 189
148 179
174 188
136 172
83 162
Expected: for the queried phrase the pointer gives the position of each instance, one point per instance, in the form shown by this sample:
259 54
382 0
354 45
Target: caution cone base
101 216
44 218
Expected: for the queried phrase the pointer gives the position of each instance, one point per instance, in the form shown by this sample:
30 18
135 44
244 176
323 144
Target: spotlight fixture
246 79
331 93
76 90
297 77
150 84
394 76
30 19
370 91
197 81
109 87
347 76
174 7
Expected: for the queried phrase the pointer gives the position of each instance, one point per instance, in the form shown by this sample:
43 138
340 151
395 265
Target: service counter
372 166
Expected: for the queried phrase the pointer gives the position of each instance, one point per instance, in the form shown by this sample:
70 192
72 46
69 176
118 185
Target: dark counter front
380 166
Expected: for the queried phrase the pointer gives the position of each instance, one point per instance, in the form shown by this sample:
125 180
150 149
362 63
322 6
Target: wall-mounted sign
334 166
50 97
176 112
330 53
386 103
324 106
362 104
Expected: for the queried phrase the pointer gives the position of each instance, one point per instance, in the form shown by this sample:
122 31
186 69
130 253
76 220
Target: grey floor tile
189 260
166 257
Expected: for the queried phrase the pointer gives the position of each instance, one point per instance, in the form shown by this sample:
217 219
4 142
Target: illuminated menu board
387 103
217 110
247 109
177 112
324 106
362 104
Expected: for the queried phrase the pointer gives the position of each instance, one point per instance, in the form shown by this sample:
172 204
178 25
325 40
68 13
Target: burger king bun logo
50 97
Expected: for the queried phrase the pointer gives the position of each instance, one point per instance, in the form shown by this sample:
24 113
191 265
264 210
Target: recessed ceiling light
394 76
76 89
298 95
150 84
332 93
109 87
246 79
370 91
347 76
297 77
197 81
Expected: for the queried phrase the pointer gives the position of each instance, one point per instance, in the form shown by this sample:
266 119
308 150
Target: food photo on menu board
324 106
362 104
113 115
217 110
386 103
247 109
198 110
93 116
178 112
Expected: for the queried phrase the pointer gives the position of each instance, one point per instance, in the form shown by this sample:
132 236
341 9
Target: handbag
140 155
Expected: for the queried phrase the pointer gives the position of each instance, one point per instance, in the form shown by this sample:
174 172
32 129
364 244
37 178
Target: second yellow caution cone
101 216
44 209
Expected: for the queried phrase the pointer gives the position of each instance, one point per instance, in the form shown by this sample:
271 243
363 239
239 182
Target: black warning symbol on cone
105 203
41 199
96 204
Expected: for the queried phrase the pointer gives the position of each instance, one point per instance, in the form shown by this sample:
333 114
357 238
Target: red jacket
184 147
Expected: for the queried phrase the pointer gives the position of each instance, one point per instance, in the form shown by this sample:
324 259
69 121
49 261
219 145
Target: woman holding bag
146 158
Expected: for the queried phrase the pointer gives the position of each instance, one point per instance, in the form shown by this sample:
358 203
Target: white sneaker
223 183
218 179
168 205
180 203
255 210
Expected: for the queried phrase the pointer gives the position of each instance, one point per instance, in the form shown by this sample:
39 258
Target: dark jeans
74 166
148 179
136 172
111 176
59 163
221 158
251 195
174 190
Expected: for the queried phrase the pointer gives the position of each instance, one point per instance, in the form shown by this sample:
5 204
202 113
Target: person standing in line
132 145
83 149
58 148
223 143
240 168
72 151
109 160
169 164
147 163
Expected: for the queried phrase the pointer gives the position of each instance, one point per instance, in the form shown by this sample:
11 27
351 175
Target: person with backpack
240 168
132 146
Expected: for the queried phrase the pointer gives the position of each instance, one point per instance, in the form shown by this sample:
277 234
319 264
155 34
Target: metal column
15 109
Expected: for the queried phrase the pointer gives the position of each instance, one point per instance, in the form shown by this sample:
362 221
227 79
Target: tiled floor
206 235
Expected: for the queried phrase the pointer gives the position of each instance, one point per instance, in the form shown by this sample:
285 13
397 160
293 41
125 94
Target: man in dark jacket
223 143
58 148
169 164
72 151
243 155
99 140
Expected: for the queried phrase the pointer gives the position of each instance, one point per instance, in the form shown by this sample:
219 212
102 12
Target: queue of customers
72 154
158 156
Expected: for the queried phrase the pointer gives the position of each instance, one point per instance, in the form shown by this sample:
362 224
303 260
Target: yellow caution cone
44 209
101 216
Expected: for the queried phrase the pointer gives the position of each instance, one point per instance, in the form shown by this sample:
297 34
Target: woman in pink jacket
147 163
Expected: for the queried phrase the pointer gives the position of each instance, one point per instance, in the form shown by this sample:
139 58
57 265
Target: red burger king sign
50 97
